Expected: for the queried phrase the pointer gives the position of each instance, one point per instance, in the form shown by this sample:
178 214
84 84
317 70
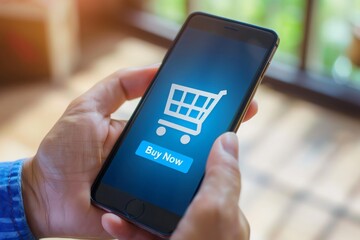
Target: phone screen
197 95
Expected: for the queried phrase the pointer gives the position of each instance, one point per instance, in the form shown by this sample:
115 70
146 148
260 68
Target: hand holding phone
202 89
56 181
209 217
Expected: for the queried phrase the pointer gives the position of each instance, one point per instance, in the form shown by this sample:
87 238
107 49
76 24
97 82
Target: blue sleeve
13 224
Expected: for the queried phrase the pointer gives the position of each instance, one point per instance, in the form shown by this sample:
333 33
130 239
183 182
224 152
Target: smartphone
201 90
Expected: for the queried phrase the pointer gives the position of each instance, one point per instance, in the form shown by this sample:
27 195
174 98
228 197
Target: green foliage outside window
331 30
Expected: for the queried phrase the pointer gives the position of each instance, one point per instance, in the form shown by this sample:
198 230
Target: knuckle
228 171
211 207
232 166
76 103
80 105
232 170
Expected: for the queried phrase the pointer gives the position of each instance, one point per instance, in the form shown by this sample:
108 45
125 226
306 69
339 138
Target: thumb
222 175
213 214
107 95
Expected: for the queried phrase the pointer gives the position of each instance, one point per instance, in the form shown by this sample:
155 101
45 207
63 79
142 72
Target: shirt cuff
13 224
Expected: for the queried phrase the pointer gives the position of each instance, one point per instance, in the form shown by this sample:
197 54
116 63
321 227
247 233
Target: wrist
34 204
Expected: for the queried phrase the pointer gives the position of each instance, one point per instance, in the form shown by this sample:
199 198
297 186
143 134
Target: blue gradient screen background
201 60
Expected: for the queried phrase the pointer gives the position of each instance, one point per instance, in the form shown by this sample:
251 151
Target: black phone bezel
103 196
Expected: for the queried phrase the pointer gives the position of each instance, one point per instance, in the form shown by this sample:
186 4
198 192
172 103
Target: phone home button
134 208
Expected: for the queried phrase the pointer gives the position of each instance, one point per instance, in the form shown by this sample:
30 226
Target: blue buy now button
164 156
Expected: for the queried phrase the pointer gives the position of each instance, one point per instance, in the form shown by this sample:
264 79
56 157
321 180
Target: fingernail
230 144
114 218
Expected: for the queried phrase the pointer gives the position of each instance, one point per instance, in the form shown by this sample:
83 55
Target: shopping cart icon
186 109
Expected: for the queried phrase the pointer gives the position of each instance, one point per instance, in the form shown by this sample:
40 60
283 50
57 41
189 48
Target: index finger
120 86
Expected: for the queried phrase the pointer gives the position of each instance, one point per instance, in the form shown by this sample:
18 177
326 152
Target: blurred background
300 156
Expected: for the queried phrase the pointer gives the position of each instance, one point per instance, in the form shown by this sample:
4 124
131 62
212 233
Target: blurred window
284 16
320 38
334 46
